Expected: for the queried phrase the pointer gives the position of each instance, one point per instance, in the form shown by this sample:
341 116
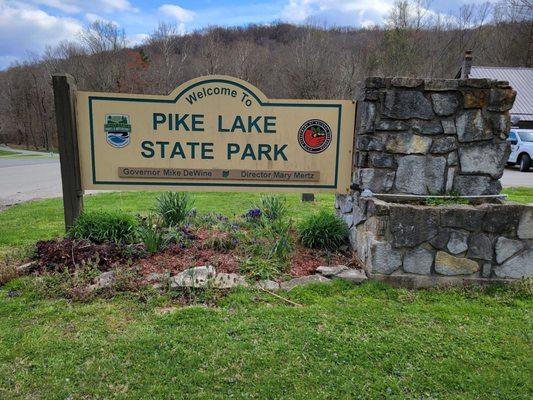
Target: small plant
279 234
253 215
221 243
273 207
262 268
174 208
102 226
323 231
152 238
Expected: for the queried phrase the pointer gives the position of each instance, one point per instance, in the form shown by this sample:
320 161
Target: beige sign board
214 133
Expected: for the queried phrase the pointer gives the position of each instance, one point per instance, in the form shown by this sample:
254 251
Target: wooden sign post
65 109
211 133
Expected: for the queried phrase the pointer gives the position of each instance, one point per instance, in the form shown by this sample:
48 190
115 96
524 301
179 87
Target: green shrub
173 208
278 233
323 231
101 226
273 207
152 238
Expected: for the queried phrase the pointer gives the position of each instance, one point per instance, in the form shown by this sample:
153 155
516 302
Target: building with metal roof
520 79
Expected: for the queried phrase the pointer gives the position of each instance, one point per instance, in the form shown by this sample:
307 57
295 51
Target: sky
27 27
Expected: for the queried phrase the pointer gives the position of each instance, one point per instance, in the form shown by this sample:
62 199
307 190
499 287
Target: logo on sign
314 136
117 128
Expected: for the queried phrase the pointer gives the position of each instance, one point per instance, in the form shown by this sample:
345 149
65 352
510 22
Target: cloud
337 12
78 6
18 40
137 39
91 17
177 12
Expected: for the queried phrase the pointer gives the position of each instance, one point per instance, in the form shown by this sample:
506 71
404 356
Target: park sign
214 133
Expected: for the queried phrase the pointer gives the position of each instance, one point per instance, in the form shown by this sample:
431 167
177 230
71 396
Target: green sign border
167 101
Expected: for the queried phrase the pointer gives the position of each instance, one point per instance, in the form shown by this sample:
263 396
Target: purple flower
253 213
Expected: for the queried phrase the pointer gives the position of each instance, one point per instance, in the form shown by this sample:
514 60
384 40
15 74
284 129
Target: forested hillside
284 61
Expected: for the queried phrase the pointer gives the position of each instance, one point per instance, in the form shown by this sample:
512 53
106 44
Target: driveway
33 175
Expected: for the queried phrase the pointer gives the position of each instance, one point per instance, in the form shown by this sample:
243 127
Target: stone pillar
435 137
418 136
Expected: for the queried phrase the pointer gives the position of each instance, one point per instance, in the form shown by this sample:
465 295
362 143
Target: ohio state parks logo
117 128
314 136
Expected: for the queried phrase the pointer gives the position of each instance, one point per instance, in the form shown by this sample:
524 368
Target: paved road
512 177
23 179
38 176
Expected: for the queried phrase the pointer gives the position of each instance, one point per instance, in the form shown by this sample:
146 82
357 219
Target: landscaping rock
267 284
406 104
446 264
105 280
420 174
480 246
506 248
25 269
331 271
228 281
525 226
520 266
194 277
486 158
302 281
352 275
444 104
458 242
452 158
418 261
157 277
383 258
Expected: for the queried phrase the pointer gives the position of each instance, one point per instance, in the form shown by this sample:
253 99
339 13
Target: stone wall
432 136
489 241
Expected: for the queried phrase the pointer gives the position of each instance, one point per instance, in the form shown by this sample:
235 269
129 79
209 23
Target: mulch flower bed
66 253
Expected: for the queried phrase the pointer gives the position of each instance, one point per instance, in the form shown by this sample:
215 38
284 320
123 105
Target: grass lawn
24 224
7 153
346 342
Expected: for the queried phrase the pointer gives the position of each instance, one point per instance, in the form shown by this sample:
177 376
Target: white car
521 148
